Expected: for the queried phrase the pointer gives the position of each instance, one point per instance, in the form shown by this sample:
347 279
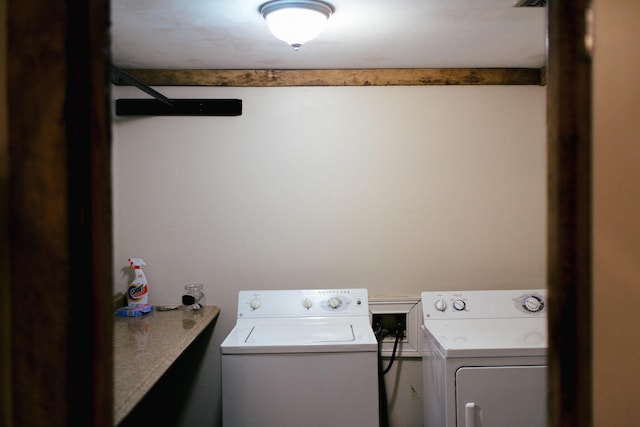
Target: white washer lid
300 333
300 336
489 337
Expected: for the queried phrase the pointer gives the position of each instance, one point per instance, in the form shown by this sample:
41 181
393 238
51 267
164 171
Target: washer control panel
484 304
303 303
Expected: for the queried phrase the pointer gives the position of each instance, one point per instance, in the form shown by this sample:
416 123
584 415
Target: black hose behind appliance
382 389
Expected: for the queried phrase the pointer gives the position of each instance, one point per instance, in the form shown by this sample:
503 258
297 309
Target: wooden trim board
340 77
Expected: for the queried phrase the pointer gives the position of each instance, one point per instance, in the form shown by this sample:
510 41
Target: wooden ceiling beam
340 77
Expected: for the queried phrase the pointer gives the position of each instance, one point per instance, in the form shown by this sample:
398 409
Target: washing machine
484 356
300 357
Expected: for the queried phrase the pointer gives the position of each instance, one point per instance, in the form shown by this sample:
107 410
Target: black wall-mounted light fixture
163 106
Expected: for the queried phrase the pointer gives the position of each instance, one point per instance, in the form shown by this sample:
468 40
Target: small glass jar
193 297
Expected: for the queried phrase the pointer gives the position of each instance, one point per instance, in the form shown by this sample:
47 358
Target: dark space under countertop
145 347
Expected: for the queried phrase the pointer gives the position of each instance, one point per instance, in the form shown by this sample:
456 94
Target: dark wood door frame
569 215
58 194
59 217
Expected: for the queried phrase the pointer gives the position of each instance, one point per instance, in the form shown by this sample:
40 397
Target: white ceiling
231 34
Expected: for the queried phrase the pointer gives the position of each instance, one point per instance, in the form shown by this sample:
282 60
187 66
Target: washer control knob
307 303
255 303
335 302
532 303
459 305
440 305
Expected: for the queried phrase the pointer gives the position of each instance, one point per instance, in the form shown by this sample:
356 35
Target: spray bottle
138 291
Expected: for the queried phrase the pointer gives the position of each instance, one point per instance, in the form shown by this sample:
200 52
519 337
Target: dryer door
501 396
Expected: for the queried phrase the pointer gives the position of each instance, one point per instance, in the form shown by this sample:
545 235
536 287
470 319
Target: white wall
396 189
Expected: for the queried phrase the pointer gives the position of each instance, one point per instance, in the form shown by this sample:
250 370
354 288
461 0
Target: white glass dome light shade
296 26
296 22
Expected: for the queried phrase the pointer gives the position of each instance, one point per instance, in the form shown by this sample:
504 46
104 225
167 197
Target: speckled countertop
145 347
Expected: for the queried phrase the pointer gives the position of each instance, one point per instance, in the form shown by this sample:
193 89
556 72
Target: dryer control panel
303 303
447 305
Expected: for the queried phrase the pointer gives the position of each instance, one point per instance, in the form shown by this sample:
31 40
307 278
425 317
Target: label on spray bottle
138 290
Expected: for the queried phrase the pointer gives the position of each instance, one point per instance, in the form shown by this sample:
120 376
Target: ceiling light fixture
296 22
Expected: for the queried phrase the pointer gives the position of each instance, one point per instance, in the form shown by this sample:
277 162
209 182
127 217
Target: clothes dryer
484 358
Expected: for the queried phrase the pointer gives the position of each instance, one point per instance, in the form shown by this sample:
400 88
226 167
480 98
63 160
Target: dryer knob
459 305
533 304
334 302
307 303
440 305
255 303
